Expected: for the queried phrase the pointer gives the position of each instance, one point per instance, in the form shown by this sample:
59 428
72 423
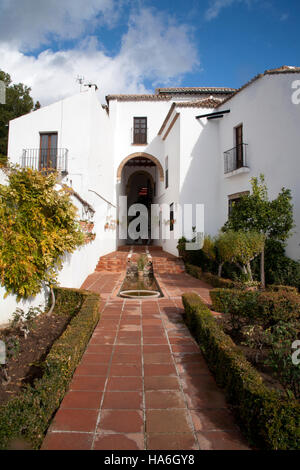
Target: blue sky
129 46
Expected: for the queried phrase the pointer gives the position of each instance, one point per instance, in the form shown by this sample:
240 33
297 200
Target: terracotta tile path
142 382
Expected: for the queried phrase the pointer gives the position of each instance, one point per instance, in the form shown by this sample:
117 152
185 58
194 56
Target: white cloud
30 23
154 48
216 6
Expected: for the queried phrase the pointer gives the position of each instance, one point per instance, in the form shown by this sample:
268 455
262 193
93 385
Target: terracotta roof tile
211 102
194 90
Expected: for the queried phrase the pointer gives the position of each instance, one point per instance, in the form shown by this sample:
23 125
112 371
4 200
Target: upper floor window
239 146
48 150
167 171
140 130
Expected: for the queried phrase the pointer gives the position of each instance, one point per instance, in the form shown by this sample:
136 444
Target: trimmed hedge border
26 417
211 279
268 420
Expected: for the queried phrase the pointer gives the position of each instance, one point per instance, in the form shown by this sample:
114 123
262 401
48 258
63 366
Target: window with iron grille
167 172
140 130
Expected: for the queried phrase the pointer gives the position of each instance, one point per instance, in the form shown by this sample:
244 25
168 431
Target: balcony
236 159
45 159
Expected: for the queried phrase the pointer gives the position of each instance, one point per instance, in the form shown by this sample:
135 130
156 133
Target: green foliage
24 321
279 268
279 338
38 227
27 416
266 308
211 279
268 420
240 247
18 102
141 262
209 247
256 212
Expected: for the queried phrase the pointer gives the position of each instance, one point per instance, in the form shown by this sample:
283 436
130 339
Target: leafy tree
255 211
239 247
38 226
18 102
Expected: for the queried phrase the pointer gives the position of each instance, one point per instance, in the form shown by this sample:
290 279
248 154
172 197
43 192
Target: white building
156 148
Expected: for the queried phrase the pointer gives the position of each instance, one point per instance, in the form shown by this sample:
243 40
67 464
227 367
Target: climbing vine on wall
38 226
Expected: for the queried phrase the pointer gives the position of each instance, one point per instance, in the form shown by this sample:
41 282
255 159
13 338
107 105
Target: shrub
211 279
280 338
38 225
276 306
278 287
268 420
27 416
265 307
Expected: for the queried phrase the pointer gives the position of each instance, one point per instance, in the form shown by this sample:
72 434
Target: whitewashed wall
271 124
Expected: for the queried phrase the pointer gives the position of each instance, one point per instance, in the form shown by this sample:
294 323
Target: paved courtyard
142 382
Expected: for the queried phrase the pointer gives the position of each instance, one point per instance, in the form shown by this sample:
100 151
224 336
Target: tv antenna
80 80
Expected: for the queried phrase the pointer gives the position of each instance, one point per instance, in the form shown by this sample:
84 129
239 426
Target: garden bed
26 416
25 365
268 419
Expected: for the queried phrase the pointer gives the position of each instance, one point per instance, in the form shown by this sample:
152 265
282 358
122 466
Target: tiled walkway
142 382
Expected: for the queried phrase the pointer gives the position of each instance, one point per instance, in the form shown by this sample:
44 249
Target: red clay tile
185 441
167 421
123 421
158 348
161 383
155 340
218 440
158 358
84 382
82 399
74 420
127 358
159 369
92 369
89 359
100 349
119 442
122 400
67 441
125 349
125 384
122 370
164 399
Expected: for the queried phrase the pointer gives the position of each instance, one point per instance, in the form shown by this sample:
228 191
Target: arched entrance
139 176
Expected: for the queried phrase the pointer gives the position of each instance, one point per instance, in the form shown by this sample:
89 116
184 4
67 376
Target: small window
167 171
140 130
171 217
234 199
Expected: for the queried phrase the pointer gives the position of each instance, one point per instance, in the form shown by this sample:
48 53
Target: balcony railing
235 158
45 159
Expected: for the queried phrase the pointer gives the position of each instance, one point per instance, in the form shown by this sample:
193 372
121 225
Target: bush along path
142 382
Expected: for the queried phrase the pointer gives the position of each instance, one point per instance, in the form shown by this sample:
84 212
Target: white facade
99 143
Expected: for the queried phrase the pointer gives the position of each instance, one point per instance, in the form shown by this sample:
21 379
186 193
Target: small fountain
139 281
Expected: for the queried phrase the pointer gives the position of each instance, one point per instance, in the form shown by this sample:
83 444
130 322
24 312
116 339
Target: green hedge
269 307
268 420
211 279
27 416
